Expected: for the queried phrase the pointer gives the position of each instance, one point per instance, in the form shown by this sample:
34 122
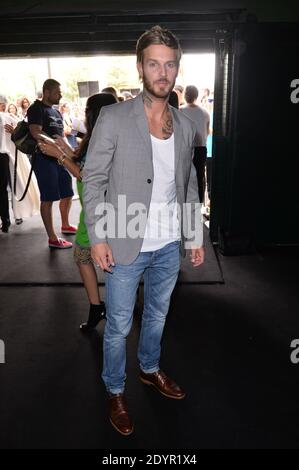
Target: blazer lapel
141 122
178 137
142 126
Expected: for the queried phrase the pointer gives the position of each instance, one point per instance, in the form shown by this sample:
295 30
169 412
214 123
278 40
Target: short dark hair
159 36
191 94
50 84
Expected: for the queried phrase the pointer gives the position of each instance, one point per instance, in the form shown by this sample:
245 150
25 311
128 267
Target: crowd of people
128 148
10 114
198 108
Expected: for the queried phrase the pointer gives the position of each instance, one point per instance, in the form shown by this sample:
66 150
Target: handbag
25 143
23 139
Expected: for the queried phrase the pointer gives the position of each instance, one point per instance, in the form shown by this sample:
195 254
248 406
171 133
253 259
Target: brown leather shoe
119 415
163 384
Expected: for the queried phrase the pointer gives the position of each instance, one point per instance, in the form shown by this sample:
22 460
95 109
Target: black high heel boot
96 314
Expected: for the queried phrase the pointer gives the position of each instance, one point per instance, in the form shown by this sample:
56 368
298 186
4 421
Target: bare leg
65 206
90 280
46 214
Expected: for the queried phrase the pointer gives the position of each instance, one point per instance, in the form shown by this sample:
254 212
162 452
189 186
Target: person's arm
9 128
35 121
194 226
53 150
72 167
35 130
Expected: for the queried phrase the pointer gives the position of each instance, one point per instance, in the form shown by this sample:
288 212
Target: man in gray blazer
142 211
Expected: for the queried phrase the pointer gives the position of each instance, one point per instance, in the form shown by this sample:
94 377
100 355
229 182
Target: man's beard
53 101
163 94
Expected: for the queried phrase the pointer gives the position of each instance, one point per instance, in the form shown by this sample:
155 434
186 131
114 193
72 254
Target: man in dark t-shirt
55 183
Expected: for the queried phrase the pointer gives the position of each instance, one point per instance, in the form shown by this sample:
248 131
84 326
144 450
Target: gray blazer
119 162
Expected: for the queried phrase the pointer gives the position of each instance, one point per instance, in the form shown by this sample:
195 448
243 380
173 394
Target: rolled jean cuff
150 371
115 391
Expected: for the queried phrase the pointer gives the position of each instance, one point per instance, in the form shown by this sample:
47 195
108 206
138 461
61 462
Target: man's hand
102 255
197 256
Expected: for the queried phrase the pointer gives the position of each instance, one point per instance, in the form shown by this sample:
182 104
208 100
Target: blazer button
149 181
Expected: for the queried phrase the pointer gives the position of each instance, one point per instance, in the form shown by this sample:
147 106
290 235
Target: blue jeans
160 269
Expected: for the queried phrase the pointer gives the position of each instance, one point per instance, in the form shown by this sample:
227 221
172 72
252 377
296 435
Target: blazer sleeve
96 171
194 222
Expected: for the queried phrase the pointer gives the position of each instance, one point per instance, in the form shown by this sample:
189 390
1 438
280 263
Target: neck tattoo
167 125
147 100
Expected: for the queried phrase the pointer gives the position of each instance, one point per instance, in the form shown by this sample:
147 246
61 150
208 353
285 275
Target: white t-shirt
162 223
201 118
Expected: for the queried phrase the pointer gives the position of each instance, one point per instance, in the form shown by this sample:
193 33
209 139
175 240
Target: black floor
227 345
